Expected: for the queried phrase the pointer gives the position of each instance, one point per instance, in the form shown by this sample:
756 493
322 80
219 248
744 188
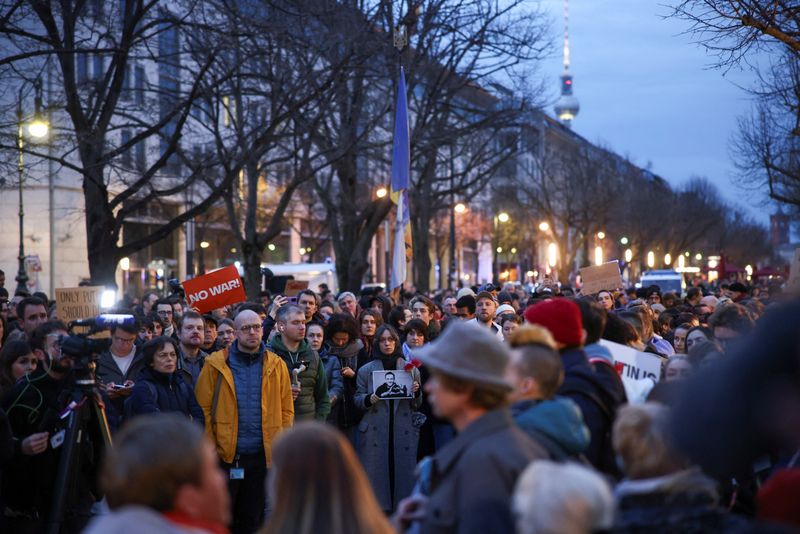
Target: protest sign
635 368
215 289
293 287
793 284
73 303
599 277
393 384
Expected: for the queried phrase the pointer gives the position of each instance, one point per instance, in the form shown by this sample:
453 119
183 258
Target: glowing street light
382 192
628 255
460 208
698 256
514 250
624 240
651 259
499 250
204 244
667 258
598 255
681 262
271 247
749 270
601 235
125 264
544 226
503 217
552 254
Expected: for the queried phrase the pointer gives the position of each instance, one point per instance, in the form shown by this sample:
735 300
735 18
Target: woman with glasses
389 430
159 388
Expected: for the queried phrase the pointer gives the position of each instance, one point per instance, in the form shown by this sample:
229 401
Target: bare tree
767 144
120 132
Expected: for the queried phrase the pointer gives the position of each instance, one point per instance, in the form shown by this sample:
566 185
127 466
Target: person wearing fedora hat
472 478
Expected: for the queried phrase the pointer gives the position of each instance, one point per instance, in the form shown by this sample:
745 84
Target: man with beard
191 334
34 407
485 308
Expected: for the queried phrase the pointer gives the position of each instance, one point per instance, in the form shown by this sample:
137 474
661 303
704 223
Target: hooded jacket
345 413
555 424
312 402
277 407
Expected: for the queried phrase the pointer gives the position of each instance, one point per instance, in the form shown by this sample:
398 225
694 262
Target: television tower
567 106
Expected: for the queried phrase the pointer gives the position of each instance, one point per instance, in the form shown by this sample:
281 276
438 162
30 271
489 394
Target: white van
315 273
667 279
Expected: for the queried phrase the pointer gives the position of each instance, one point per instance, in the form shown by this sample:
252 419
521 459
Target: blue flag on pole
401 169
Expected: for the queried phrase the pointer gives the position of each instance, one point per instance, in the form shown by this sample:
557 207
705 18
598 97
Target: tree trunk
102 249
251 257
421 263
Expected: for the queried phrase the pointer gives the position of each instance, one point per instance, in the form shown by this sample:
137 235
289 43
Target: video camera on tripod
85 350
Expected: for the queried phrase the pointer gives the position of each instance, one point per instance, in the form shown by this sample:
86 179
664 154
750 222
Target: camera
176 289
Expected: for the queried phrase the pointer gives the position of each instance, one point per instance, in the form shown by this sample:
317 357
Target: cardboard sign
599 277
293 287
635 368
73 303
393 384
793 284
215 289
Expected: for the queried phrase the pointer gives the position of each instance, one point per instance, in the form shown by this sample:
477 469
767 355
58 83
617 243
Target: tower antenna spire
567 106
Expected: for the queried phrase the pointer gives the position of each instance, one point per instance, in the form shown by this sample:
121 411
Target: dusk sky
648 92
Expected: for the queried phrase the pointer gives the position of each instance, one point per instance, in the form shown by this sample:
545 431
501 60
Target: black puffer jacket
159 392
345 414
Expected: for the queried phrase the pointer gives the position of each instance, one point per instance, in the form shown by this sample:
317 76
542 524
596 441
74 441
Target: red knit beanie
561 317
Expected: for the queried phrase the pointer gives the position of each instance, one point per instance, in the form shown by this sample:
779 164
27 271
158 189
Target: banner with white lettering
215 289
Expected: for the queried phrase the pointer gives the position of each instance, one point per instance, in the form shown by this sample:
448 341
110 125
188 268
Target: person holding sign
389 430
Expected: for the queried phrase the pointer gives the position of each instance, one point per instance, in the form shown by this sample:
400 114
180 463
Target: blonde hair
319 486
563 498
641 440
532 334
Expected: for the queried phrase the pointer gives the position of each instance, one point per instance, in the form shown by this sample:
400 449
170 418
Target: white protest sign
636 369
599 277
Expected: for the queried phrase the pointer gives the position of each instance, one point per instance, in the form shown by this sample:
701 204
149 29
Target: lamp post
501 217
38 128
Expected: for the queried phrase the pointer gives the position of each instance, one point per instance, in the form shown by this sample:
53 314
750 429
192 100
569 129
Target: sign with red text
215 289
639 371
293 287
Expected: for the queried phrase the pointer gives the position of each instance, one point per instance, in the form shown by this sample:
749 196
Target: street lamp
624 240
598 255
460 208
501 217
651 259
601 235
544 226
667 258
381 193
37 128
628 255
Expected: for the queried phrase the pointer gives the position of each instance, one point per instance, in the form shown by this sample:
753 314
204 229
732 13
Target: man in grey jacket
469 486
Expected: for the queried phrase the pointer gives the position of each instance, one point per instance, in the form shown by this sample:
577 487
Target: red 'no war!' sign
214 290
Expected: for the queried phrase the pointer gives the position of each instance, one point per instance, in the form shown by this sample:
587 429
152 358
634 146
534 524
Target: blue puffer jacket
159 392
333 372
246 369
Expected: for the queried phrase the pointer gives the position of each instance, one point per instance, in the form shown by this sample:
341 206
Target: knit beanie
561 317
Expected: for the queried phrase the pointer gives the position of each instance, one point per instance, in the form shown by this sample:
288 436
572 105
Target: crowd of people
487 409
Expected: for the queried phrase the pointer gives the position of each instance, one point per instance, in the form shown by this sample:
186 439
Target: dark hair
480 396
375 315
252 306
692 292
703 350
28 301
38 337
145 322
538 361
226 321
733 316
388 373
309 292
8 355
126 327
327 304
191 314
419 326
153 456
594 318
398 349
342 322
468 302
516 319
150 348
156 318
424 300
707 332
162 301
397 314
619 330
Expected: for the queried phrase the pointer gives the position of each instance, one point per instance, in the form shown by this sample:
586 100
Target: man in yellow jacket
246 396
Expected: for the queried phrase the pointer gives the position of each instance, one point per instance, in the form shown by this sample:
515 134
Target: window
140 155
82 67
127 84
97 67
139 84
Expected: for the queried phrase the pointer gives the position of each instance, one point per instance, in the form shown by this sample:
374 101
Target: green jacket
313 401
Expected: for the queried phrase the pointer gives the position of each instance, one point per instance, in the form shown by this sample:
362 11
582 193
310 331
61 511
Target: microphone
106 320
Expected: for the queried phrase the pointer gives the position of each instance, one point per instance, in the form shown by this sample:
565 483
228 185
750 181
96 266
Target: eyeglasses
123 340
250 328
164 312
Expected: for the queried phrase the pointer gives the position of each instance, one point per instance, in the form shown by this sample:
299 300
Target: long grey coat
374 438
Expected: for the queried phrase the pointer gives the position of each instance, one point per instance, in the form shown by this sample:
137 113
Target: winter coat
557 425
388 423
133 519
188 369
598 393
108 372
333 373
345 414
685 502
313 401
473 477
277 408
159 392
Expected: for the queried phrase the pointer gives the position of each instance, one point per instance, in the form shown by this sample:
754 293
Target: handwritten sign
214 290
639 371
73 303
293 287
599 277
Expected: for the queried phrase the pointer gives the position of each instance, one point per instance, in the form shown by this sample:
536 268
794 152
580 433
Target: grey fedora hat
470 352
